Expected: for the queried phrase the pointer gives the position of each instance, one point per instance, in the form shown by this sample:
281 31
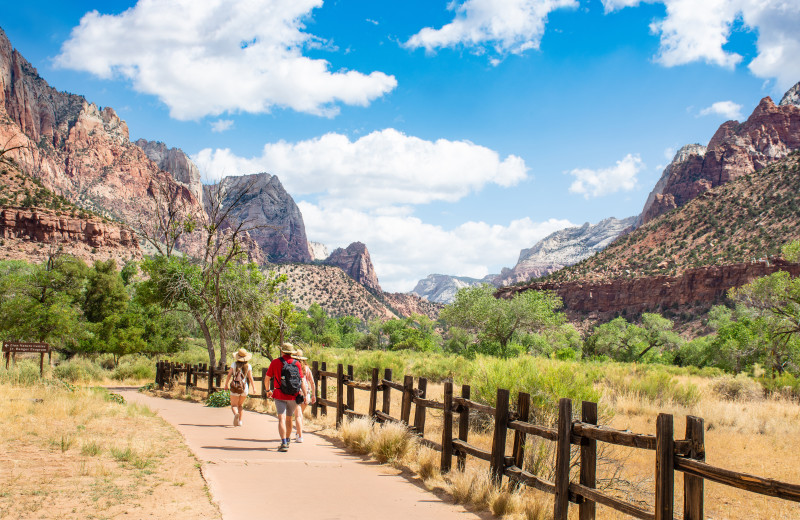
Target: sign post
12 347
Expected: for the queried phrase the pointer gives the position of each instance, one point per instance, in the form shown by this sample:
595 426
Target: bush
24 373
219 399
79 370
741 387
391 442
654 385
136 368
785 384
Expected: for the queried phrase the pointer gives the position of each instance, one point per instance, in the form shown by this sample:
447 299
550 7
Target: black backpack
290 377
237 383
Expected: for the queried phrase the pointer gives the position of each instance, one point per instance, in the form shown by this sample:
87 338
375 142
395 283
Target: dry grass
66 453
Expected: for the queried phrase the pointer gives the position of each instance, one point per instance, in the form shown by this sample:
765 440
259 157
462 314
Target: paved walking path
250 479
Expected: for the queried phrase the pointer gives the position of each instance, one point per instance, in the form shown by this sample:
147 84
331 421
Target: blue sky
445 135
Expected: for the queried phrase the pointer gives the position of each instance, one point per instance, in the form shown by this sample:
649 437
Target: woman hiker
309 391
242 373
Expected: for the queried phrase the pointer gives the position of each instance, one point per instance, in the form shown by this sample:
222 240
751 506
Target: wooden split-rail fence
686 455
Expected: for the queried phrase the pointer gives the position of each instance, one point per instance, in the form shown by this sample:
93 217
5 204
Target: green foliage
105 292
219 399
623 341
496 321
656 386
79 370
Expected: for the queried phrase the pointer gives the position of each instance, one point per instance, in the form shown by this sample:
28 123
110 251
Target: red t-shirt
274 372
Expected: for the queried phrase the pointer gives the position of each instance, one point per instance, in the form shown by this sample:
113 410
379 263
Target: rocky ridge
736 149
442 288
356 262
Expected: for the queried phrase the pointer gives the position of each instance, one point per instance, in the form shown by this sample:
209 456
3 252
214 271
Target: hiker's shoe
241 421
236 420
284 446
298 439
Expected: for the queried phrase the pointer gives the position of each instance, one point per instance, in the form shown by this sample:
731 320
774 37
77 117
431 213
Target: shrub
79 370
741 387
219 399
137 368
23 373
357 434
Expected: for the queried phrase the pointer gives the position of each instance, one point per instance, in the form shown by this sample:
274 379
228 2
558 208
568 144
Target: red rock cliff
705 285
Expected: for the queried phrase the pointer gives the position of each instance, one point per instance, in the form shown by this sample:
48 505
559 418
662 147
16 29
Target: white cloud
383 168
727 109
221 125
596 183
211 57
699 30
508 26
471 249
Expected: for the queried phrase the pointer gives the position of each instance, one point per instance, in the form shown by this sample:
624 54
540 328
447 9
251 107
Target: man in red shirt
281 371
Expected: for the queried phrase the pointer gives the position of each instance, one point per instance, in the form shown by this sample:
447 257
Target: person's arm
250 377
311 385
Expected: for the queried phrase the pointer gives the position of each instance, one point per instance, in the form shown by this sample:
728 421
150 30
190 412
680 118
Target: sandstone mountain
736 149
76 149
689 257
442 288
318 251
275 220
356 262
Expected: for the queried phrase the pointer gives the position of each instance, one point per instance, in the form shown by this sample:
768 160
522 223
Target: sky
445 135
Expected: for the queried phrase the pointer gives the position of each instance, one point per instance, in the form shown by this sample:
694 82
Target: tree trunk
212 355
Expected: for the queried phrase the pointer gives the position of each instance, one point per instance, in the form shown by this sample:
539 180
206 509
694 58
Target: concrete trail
250 479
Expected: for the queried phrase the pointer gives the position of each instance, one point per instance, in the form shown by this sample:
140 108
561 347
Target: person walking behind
287 381
309 394
240 377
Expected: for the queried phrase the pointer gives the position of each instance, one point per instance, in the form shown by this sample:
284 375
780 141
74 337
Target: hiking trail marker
10 349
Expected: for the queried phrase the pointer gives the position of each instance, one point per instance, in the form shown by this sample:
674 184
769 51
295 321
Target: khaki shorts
285 407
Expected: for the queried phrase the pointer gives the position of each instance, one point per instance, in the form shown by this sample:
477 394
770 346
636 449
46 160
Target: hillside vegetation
741 221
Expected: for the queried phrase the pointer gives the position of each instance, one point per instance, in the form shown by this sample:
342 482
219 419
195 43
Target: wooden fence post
210 373
315 377
408 393
463 428
665 470
339 394
692 485
351 392
188 376
498 462
158 373
373 393
561 499
194 375
587 508
523 412
419 411
447 429
387 396
324 388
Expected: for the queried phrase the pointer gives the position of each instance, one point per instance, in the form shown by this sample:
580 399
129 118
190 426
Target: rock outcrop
699 286
176 162
356 262
406 305
274 221
769 134
24 233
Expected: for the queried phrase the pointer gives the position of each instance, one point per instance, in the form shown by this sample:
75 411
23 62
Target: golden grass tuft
391 442
357 434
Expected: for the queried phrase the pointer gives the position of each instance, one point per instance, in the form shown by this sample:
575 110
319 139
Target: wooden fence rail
686 455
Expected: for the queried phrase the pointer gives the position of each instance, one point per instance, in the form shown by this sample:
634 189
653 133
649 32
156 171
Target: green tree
499 320
105 292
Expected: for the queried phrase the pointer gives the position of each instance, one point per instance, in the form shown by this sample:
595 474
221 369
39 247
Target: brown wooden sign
10 349
9 346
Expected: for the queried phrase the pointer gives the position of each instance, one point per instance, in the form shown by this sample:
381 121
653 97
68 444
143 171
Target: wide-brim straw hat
288 348
242 355
298 354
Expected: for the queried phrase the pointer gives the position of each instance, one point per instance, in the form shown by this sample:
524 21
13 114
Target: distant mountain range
557 250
